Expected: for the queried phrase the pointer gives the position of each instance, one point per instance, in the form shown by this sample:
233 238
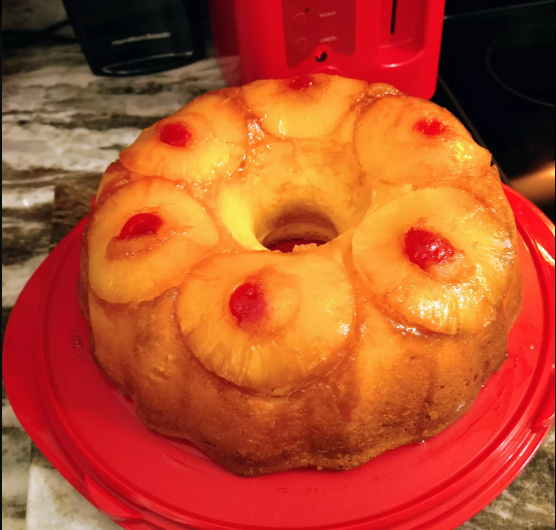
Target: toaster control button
299 22
301 47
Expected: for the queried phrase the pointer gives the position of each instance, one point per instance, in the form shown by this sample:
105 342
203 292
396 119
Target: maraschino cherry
426 249
142 224
430 127
175 134
248 304
301 83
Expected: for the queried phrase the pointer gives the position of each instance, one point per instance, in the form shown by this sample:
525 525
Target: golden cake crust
393 377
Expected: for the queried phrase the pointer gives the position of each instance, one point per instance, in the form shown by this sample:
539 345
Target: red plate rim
522 437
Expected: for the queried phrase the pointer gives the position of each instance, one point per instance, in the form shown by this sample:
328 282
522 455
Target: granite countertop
61 127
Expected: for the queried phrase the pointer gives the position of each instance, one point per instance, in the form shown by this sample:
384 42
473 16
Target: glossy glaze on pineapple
329 355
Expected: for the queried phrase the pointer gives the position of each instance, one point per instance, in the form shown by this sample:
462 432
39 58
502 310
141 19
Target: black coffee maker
134 37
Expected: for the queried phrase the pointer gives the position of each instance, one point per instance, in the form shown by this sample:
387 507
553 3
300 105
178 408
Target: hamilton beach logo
148 36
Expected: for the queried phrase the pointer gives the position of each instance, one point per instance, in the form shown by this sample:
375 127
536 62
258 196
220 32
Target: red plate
143 480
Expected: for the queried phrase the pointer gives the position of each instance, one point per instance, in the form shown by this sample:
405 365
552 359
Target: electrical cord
12 39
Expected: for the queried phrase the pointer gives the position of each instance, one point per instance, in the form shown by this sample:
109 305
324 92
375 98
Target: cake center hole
297 228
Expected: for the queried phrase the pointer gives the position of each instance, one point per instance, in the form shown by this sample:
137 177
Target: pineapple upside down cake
329 355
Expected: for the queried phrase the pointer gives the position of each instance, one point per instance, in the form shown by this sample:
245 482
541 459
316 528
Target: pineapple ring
306 107
213 144
309 313
444 302
133 269
401 139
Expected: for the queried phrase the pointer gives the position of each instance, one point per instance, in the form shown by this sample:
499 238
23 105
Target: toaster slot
393 17
404 29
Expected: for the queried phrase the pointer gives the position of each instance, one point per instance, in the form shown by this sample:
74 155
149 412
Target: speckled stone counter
61 127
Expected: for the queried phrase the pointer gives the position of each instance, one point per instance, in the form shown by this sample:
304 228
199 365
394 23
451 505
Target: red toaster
392 41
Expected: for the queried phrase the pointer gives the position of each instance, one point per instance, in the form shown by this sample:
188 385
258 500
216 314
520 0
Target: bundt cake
331 354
